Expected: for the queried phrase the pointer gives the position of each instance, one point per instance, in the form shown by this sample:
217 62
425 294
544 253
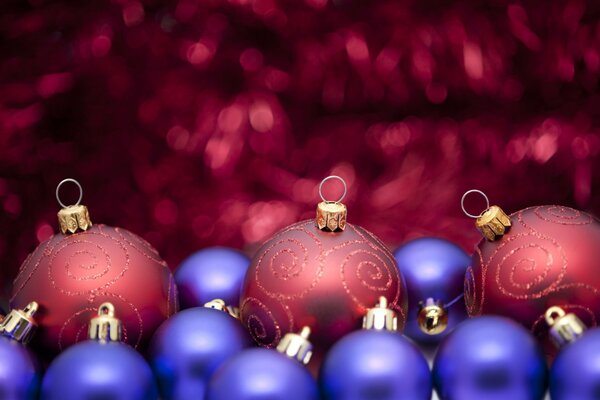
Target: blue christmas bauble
262 374
575 373
93 370
188 348
212 273
19 376
371 364
491 358
433 268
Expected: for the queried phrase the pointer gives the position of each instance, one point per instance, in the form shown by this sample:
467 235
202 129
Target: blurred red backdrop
211 122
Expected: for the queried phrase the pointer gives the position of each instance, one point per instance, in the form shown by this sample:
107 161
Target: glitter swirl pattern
85 266
287 268
261 322
71 275
304 276
368 270
531 268
563 215
547 258
470 290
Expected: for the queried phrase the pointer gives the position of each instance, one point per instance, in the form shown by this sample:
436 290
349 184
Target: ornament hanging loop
331 215
72 219
564 328
327 179
58 192
462 202
493 222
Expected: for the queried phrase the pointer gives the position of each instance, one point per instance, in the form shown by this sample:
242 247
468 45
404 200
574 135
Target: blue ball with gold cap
19 372
268 374
189 347
102 367
574 374
376 362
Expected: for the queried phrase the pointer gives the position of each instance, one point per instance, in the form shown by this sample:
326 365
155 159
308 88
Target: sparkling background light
204 122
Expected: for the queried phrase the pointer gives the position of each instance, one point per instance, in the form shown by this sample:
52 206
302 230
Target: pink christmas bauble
71 275
304 276
549 257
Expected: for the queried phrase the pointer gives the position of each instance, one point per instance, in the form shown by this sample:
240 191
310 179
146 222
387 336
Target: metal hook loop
339 179
468 192
58 191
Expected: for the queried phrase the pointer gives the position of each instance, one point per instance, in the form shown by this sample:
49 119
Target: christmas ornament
490 358
188 348
375 363
267 374
19 372
212 273
85 265
574 374
537 258
434 272
100 368
324 274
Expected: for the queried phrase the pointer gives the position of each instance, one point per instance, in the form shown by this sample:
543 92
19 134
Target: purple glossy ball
433 268
19 376
188 348
575 373
92 370
375 365
491 358
212 273
262 374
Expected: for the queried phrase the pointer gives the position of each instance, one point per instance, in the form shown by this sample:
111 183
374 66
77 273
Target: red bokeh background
211 122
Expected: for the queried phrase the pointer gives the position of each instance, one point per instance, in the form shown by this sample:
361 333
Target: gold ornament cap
297 346
74 218
219 304
19 324
331 215
564 328
380 317
432 317
493 222
105 327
